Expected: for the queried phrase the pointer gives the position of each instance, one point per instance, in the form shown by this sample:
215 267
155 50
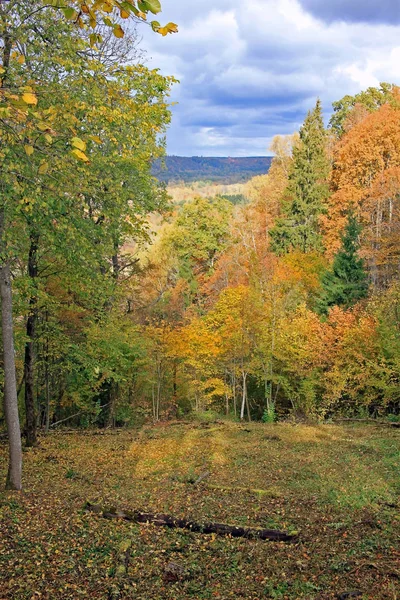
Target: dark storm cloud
353 11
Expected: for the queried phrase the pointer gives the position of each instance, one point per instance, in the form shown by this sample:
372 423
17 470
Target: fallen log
206 528
202 477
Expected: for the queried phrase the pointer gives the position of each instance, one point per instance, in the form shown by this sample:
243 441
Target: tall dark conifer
346 282
307 192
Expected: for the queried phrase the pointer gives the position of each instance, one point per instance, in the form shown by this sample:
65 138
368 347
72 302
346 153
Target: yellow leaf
169 28
48 138
118 31
2 70
29 149
44 167
107 7
96 139
29 98
21 59
78 143
124 14
78 154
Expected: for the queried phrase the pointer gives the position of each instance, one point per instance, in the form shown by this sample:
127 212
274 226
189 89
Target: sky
251 69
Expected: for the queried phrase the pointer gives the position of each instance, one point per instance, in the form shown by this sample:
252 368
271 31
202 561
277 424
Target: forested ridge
219 169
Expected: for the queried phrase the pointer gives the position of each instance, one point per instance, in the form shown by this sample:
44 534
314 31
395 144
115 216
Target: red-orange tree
366 179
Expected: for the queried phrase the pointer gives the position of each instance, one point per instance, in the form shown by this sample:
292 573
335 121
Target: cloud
354 11
250 73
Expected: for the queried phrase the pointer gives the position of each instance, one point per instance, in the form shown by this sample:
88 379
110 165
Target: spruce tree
307 191
346 282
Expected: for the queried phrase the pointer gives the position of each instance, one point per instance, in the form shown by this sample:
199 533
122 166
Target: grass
338 485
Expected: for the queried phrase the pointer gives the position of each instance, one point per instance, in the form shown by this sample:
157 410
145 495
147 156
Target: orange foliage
304 269
351 355
366 179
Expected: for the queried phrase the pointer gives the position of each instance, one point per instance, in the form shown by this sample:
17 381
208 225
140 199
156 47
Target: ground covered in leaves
337 486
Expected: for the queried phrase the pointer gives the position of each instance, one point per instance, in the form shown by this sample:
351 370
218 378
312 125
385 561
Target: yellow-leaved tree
38 136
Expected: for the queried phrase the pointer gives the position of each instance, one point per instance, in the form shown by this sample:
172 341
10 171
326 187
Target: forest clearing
335 487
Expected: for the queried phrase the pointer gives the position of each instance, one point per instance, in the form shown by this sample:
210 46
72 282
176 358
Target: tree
234 318
369 100
266 191
199 233
199 345
366 181
346 282
24 118
89 12
299 356
307 191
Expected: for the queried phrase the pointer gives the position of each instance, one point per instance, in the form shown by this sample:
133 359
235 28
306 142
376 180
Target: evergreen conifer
307 192
346 282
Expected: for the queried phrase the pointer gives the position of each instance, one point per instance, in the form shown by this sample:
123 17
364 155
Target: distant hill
207 168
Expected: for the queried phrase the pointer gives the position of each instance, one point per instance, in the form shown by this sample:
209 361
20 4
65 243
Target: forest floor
338 486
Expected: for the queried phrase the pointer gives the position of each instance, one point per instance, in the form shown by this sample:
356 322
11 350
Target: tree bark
47 378
234 389
112 404
226 393
244 394
175 385
14 476
30 412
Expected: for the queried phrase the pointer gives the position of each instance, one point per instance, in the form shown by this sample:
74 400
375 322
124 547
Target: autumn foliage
273 306
253 339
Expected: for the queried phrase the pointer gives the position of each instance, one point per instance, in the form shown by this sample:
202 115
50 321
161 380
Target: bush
269 415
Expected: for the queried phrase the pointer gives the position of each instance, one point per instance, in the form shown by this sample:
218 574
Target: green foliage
371 99
235 198
76 178
307 192
346 283
269 415
71 474
199 234
393 418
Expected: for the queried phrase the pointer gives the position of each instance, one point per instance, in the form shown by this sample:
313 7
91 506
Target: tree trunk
153 398
14 477
47 377
175 385
30 424
137 516
47 387
112 404
248 407
226 393
234 390
244 394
